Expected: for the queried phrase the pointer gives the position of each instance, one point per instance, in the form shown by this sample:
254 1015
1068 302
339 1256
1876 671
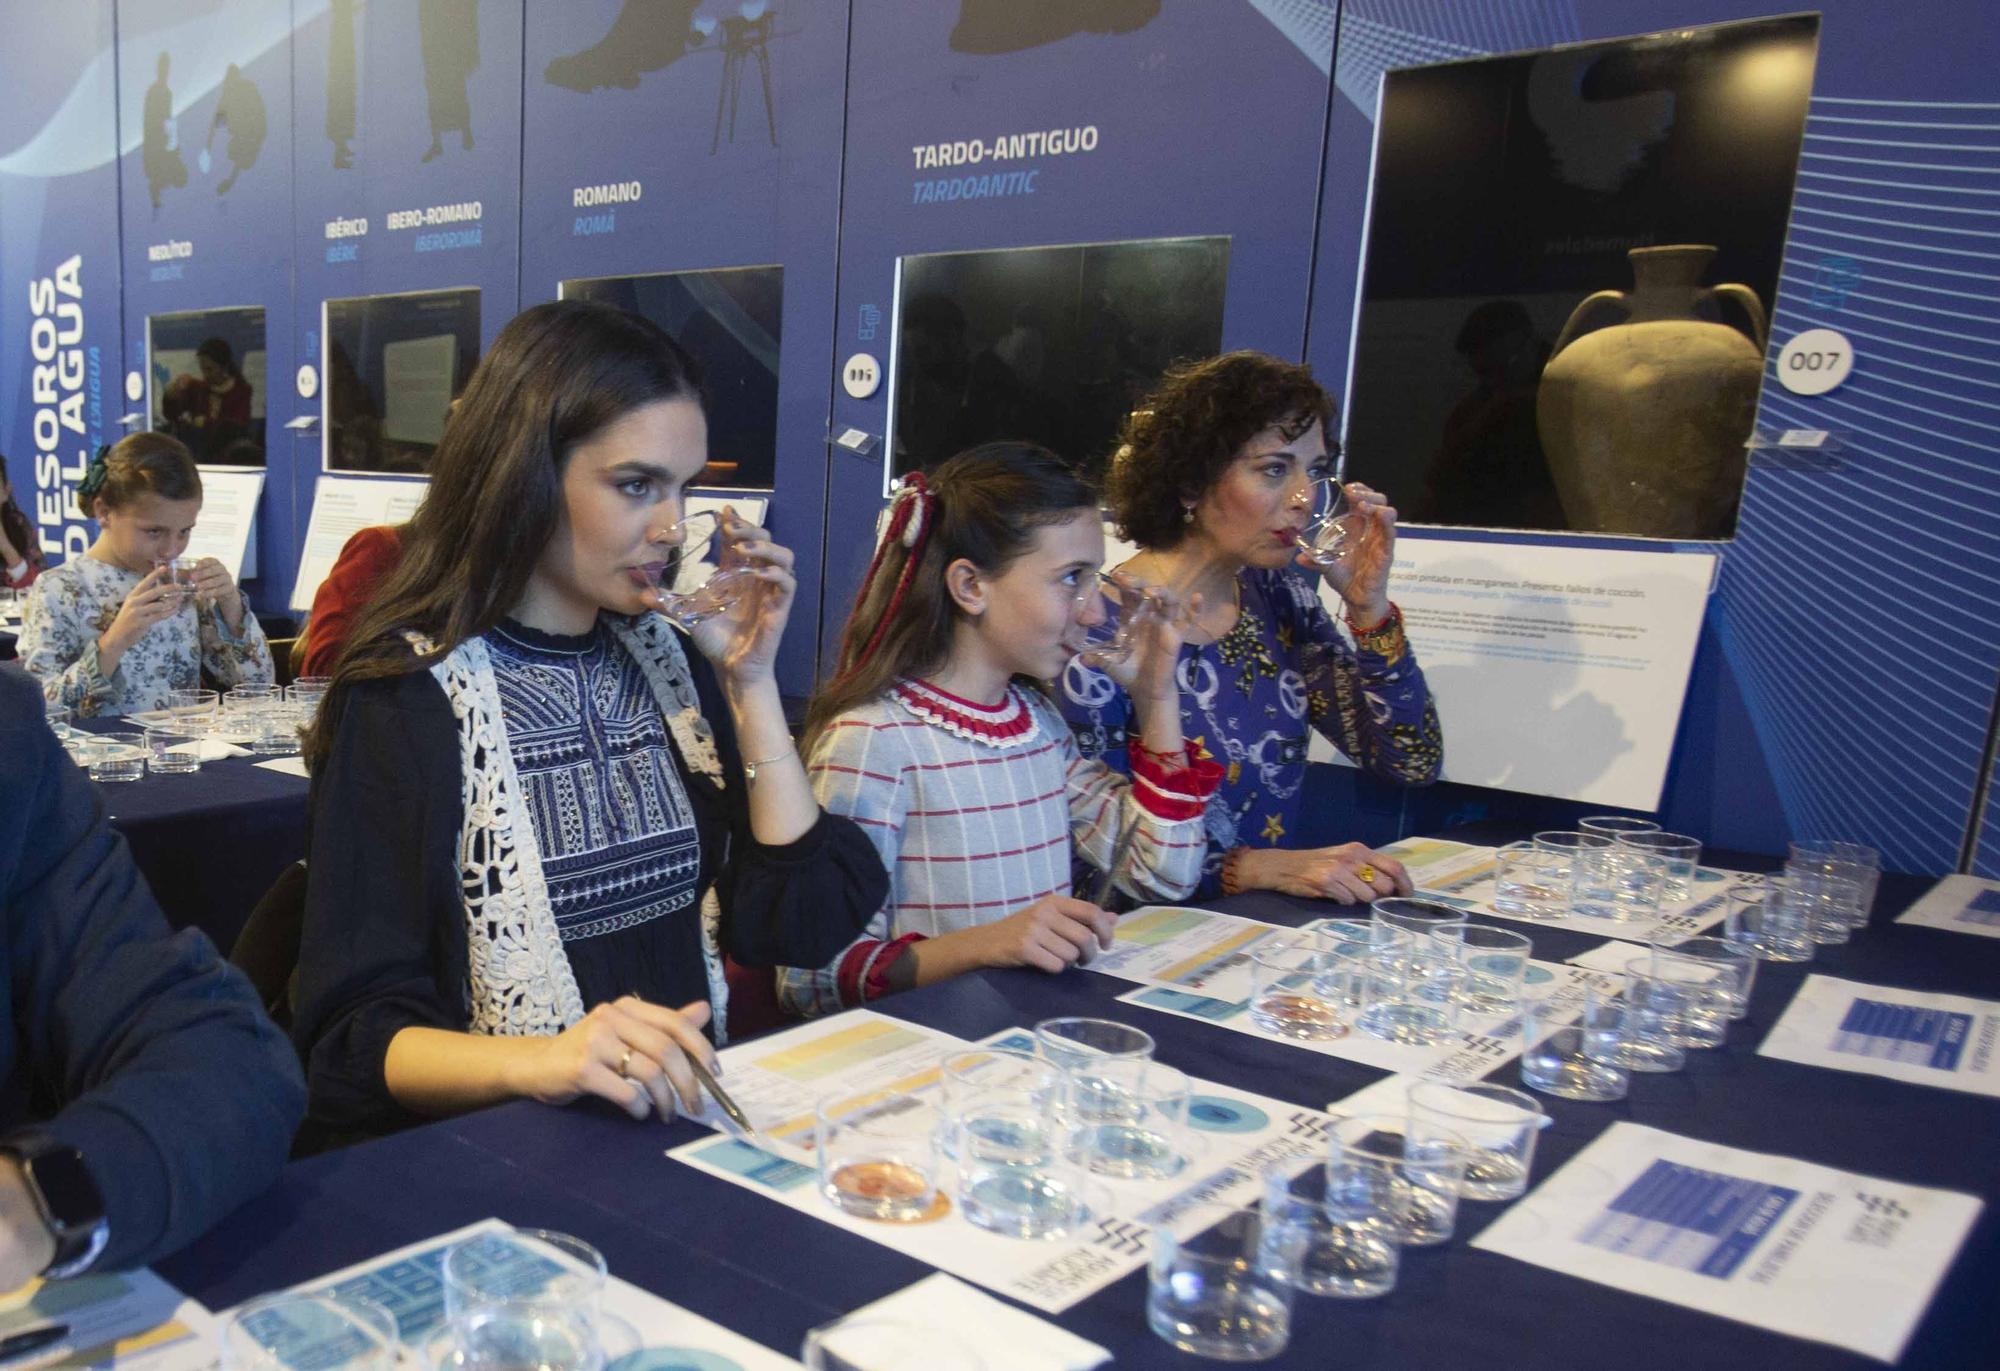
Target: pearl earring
1187 514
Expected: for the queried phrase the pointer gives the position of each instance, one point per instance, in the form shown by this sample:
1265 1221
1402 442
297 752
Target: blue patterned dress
1249 699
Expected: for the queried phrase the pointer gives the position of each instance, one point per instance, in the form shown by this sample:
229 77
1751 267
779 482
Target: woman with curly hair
1217 474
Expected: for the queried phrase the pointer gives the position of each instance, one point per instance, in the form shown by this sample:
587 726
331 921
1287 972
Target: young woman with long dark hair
538 822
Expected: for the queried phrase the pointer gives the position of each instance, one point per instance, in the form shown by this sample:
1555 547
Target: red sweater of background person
364 562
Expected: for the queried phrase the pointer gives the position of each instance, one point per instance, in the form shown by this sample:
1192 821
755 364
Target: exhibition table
771 1273
210 842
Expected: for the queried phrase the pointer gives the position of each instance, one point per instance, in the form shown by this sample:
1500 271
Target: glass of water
1132 606
1619 882
1661 999
1074 1043
877 1154
1220 1282
1410 989
699 588
1572 1046
1299 986
1767 921
178 573
1005 1125
1569 851
1529 883
1498 1124
1128 1118
1680 856
523 1300
1831 903
1615 826
1845 861
1736 967
963 1075
172 749
1342 1224
287 1331
1494 962
117 757
1427 1174
1335 527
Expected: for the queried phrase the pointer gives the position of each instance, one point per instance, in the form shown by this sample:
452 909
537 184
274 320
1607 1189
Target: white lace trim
959 721
521 982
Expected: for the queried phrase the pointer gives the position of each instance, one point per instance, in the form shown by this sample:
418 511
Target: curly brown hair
1187 431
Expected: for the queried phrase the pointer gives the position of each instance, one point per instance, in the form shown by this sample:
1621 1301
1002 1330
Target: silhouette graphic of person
239 107
988 27
340 80
647 35
159 157
448 35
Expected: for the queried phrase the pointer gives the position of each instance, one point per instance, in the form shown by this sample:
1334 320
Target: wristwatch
66 1197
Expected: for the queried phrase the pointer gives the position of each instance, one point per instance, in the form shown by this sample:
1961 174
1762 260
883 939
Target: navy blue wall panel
672 97
59 285
404 117
205 110
1208 120
1846 670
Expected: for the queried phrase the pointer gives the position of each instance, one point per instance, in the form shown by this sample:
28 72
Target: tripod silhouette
743 39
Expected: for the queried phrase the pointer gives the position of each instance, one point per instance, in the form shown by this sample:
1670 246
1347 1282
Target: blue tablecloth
770 1273
211 842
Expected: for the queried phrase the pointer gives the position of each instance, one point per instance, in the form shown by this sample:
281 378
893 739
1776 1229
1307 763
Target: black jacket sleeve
797 904
157 1058
383 944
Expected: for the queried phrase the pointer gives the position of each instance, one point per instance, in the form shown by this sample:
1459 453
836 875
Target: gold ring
625 1063
1365 872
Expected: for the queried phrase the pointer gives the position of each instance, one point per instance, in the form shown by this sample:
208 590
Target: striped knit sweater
976 811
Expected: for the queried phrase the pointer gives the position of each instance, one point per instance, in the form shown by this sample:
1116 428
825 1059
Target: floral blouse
1249 698
71 604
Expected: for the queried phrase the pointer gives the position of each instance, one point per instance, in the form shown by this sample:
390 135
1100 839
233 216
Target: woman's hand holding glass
1352 542
627 1051
738 615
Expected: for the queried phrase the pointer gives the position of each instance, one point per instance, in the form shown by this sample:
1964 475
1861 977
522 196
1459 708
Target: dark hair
217 351
20 532
983 505
1186 432
136 466
558 374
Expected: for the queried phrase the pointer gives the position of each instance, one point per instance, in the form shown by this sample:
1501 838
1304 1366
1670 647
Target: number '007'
1813 361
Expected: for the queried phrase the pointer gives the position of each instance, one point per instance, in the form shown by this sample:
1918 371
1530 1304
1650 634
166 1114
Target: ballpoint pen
721 1096
31 1340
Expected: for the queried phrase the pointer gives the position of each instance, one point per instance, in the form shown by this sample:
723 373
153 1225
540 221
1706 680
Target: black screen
393 365
206 383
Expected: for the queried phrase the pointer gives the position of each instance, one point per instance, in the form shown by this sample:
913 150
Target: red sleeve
366 560
1174 795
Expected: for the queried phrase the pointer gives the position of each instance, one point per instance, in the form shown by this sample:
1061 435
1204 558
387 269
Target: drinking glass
1848 861
1570 850
1529 883
1004 1122
962 1075
194 709
274 729
178 574
1299 987
1767 921
1572 1046
1128 1117
871 1344
877 1154
1410 988
118 757
1736 967
1219 1283
1342 1223
522 1300
1615 826
1074 1043
1619 882
1831 903
1499 1126
172 749
1424 1172
287 1331
57 718
700 588
1115 635
1659 1000
1494 960
1334 528
1680 856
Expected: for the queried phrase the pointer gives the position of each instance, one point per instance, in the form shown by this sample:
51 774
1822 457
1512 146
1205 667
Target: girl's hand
153 599
627 1051
213 585
1159 621
1049 935
1362 577
743 640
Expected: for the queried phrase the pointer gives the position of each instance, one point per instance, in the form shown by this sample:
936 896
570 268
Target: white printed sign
342 507
1768 1241
1961 904
1878 1030
228 517
1556 670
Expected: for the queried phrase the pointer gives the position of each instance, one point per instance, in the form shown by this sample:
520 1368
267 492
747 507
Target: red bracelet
1164 757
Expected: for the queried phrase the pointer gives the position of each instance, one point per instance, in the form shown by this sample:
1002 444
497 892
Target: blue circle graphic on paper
674 1359
1214 1114
1537 975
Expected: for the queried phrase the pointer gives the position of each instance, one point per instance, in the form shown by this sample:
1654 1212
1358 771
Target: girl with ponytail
936 736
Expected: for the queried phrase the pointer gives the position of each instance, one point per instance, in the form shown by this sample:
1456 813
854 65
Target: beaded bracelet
1232 880
1385 638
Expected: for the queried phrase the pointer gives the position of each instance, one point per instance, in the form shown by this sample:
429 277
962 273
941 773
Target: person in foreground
937 737
143 1092
1220 470
113 631
537 821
